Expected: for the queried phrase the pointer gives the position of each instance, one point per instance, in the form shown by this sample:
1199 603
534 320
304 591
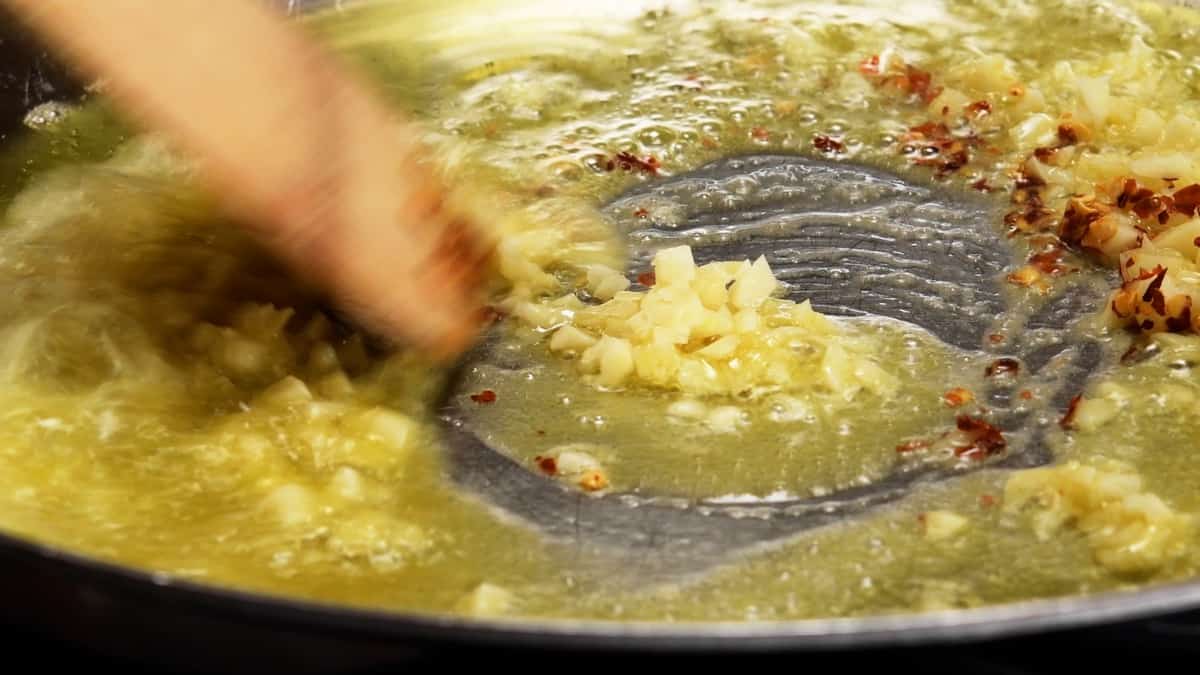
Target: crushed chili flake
995 338
979 108
932 144
1187 199
987 501
540 432
869 65
1003 365
641 213
982 185
1068 134
1183 321
921 84
1049 261
760 133
958 396
1045 155
1026 394
628 162
1068 419
905 78
646 278
485 396
828 145
548 465
911 445
985 439
1077 220
1152 289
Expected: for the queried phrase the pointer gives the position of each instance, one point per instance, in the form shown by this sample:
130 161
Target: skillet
131 612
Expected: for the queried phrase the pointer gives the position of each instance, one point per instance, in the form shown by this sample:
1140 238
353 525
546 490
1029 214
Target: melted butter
123 442
780 445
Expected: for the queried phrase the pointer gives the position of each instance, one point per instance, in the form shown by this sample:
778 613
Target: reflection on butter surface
172 402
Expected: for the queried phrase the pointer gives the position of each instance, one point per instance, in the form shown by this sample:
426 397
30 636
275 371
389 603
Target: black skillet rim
363 623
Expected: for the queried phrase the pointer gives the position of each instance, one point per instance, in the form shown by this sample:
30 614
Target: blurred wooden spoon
297 147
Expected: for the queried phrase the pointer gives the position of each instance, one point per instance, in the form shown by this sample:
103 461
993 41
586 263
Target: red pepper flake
920 82
641 213
709 142
1048 261
957 397
1077 220
647 278
911 445
1001 366
904 77
979 108
987 501
1026 394
628 162
985 439
1152 289
933 144
1187 199
760 133
548 465
485 396
982 185
870 65
1068 134
828 145
1068 420
995 338
1045 155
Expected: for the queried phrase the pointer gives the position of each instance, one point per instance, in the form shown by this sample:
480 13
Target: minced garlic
1129 530
715 329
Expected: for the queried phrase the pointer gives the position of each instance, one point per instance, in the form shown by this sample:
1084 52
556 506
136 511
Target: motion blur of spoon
304 154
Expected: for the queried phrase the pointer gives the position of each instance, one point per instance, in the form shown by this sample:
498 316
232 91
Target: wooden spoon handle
301 151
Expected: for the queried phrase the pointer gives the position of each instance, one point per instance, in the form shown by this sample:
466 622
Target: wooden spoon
297 147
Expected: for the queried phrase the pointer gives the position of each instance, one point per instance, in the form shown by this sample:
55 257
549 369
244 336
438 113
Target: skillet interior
106 592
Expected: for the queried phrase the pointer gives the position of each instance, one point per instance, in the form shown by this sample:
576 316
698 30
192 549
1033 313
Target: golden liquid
121 439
